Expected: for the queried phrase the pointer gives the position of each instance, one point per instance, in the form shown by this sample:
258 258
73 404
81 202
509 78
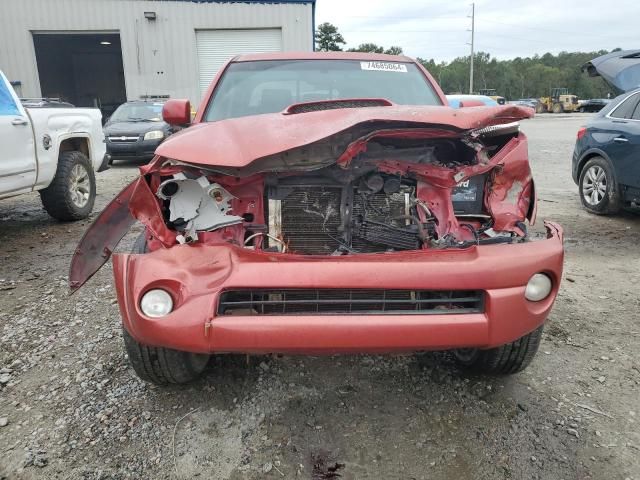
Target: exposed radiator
310 218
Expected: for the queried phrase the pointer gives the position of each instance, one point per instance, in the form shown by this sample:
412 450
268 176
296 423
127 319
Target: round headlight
538 288
154 135
156 303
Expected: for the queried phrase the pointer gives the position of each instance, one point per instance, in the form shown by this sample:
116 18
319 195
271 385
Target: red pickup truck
327 203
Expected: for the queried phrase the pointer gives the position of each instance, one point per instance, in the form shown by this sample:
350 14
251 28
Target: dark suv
605 159
135 130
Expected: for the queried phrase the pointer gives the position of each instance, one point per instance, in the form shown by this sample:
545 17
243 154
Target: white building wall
167 44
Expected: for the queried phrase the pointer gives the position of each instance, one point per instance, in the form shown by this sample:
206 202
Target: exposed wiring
472 230
281 242
424 207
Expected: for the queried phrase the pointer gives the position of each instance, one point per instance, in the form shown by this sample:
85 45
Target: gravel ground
70 406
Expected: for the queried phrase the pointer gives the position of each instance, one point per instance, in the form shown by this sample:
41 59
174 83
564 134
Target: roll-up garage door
215 47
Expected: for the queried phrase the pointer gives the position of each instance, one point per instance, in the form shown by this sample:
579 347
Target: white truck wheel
72 193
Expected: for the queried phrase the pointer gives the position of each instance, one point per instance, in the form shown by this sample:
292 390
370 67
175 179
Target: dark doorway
81 68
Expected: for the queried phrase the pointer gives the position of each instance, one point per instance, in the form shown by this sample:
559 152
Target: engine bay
395 195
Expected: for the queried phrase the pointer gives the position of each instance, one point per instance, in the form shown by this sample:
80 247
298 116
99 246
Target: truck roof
371 57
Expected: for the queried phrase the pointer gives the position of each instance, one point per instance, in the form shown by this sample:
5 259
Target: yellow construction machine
559 101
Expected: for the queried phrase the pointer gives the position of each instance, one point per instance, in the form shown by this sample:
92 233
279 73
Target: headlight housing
538 287
156 303
154 135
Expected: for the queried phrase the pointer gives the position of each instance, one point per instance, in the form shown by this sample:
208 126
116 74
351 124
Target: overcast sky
505 28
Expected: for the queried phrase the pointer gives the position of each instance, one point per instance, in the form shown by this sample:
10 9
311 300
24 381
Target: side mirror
177 112
471 103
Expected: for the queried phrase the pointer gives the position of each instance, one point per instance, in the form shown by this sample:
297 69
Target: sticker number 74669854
384 66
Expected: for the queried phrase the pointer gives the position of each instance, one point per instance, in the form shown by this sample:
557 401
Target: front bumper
133 150
195 275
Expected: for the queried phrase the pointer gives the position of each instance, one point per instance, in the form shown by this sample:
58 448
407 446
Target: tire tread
510 358
158 365
55 198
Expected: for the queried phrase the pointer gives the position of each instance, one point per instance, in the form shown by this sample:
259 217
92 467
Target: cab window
7 104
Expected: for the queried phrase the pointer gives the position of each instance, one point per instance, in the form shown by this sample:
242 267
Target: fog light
538 288
156 303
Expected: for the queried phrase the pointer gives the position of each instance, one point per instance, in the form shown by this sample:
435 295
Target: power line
403 17
563 32
473 33
402 31
529 40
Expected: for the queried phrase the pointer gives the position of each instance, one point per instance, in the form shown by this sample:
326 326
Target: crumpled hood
620 69
237 143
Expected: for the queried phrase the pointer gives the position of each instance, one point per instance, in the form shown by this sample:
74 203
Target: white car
51 150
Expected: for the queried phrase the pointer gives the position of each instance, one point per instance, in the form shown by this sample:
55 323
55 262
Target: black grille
335 104
123 139
341 302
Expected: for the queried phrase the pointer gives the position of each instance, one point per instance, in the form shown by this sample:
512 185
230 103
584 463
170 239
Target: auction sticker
384 66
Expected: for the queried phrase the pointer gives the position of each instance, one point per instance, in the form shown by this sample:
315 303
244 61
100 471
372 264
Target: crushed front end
387 236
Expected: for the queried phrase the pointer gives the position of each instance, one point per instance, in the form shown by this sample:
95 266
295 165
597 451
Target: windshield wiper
140 120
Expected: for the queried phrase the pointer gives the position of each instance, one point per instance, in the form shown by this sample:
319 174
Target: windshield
138 112
268 86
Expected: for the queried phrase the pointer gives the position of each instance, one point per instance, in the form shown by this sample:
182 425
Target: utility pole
473 32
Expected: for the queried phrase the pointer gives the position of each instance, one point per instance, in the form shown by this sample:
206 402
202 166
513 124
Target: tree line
528 77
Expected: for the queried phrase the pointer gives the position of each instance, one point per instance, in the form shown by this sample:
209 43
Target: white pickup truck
51 150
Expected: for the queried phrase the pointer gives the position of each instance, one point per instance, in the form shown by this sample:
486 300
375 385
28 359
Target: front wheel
163 366
557 108
506 359
157 364
72 193
599 192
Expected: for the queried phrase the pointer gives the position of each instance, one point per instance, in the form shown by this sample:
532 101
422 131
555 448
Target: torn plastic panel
196 205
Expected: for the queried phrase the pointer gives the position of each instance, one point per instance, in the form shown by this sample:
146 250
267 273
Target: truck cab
51 150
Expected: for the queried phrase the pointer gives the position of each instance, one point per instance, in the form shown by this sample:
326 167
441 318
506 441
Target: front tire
160 365
506 359
599 191
557 108
163 366
72 193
